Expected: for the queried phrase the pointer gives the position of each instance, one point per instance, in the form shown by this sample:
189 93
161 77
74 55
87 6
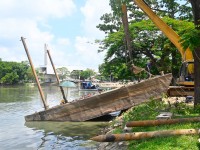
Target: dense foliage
14 72
20 72
83 74
148 43
87 74
63 72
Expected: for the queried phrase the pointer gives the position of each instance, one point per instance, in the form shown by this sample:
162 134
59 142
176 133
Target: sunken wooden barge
102 104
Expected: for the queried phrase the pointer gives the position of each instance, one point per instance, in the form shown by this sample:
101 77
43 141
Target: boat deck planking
107 102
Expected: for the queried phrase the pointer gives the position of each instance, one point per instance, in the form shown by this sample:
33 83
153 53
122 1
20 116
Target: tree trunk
126 30
196 53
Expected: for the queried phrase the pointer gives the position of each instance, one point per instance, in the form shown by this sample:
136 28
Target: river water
16 134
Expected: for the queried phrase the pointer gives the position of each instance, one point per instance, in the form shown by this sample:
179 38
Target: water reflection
63 135
19 101
83 130
17 93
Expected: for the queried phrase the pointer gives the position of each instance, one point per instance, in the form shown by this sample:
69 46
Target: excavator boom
186 78
169 32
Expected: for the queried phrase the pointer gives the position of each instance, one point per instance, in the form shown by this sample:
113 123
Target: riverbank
149 111
112 128
122 145
100 84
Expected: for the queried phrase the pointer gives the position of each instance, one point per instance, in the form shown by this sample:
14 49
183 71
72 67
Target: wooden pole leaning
35 75
143 135
57 77
146 123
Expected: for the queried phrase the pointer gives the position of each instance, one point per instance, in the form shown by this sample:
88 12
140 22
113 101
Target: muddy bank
113 146
122 145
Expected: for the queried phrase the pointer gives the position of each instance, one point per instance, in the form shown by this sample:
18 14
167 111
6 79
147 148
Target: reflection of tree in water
17 93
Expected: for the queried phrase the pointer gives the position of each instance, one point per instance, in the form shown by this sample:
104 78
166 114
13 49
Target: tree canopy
13 72
148 43
87 74
63 72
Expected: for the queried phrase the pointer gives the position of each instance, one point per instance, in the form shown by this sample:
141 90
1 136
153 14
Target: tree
10 78
147 41
196 52
150 45
29 75
63 72
110 23
171 8
120 11
21 69
87 74
12 72
75 74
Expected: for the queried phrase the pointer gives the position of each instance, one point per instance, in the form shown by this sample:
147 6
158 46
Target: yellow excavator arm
187 69
169 32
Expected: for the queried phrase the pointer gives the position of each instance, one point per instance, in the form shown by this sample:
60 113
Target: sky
68 27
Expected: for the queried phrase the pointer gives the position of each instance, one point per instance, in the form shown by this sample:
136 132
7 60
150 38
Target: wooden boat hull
105 103
90 89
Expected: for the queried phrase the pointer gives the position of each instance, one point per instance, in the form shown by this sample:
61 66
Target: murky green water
16 134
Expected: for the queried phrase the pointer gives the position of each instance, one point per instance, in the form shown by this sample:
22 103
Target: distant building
47 74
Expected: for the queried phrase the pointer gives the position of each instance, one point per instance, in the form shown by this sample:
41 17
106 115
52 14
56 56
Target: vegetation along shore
149 111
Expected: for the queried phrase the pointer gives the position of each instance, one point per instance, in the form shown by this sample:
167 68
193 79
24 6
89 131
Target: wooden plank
183 91
102 104
143 135
148 123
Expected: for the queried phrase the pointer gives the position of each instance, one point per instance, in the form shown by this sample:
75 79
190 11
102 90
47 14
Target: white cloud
10 32
36 9
63 41
30 19
88 52
92 12
86 49
23 18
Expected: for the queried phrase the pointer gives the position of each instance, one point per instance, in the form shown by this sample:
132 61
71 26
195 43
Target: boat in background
89 86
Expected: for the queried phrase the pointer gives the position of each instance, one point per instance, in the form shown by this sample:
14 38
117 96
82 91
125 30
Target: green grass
149 111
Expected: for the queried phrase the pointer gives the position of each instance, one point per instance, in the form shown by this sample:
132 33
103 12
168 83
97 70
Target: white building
47 74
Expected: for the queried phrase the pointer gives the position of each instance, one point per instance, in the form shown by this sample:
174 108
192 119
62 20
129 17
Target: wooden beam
146 123
35 75
57 77
143 135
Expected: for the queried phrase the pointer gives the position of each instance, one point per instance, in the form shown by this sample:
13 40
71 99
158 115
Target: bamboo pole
57 77
147 123
35 75
143 135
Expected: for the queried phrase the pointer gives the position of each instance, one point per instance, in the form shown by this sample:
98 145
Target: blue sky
66 26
